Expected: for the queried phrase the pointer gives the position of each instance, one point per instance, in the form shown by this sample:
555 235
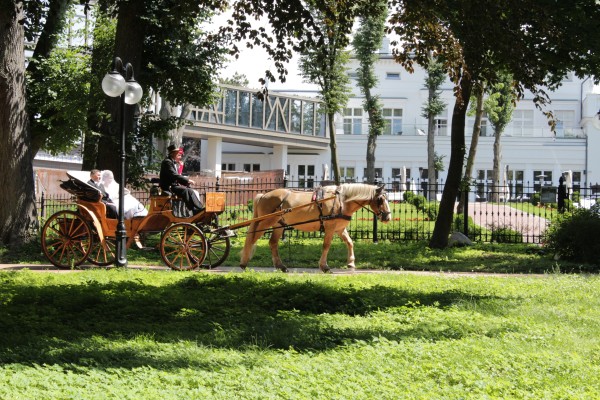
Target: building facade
532 154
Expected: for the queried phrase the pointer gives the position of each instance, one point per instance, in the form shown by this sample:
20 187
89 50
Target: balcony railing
244 108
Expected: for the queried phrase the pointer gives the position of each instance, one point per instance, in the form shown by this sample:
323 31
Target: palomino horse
328 209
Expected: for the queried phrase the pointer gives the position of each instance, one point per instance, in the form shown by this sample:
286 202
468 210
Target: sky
254 62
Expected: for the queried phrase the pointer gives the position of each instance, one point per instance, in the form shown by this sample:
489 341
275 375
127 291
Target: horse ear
381 188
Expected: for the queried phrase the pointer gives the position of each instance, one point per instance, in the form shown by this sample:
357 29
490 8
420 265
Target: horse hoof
243 267
326 269
283 269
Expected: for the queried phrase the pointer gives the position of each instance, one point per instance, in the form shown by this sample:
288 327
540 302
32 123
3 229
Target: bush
408 196
535 199
573 235
506 235
431 210
474 230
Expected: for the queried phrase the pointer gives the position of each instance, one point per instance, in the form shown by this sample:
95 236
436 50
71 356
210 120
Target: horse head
380 205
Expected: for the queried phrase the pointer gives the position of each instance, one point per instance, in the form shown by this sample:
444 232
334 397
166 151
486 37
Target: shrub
419 202
474 230
575 197
573 235
408 196
506 235
535 199
250 205
431 210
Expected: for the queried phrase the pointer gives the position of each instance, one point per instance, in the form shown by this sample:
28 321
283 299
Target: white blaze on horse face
381 207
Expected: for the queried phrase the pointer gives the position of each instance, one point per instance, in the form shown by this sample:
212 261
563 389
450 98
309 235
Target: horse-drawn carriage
70 238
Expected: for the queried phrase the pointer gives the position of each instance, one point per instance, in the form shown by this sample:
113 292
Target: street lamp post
120 82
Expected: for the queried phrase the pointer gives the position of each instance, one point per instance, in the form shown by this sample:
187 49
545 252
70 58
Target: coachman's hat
172 148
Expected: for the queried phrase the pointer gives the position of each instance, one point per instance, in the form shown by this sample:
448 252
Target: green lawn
403 255
126 334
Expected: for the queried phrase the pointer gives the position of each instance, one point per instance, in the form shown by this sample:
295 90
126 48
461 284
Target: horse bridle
381 214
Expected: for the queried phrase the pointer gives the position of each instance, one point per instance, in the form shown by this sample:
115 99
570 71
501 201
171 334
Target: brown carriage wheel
218 249
103 253
183 246
66 239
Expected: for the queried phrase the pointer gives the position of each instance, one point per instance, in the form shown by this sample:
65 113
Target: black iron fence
501 213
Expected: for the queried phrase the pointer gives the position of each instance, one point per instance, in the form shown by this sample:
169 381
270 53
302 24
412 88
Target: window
521 124
486 128
393 121
228 167
576 181
541 178
306 176
441 127
353 121
392 75
251 167
565 122
378 173
347 174
397 179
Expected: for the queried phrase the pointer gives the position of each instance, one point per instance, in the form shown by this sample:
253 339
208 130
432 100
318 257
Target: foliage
503 234
236 80
149 334
366 41
459 225
59 102
438 162
574 235
500 102
436 75
525 39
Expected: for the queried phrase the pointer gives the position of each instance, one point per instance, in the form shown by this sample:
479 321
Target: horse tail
251 235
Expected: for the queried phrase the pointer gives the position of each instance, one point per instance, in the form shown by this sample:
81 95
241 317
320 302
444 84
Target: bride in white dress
131 206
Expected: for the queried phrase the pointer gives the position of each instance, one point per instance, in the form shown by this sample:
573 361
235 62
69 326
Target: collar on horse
319 194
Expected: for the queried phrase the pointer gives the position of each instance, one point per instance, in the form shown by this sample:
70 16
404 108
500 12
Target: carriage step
225 233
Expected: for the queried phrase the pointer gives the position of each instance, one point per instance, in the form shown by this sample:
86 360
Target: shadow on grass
61 323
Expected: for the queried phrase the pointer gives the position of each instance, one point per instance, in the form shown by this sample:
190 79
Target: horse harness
318 198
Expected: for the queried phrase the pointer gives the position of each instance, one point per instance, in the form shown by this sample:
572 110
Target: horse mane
357 191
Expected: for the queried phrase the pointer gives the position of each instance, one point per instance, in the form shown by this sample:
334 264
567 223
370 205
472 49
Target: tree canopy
538 42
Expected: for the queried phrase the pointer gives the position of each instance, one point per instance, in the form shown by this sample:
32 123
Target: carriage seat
155 190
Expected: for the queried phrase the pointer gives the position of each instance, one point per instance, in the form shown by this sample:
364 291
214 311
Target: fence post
375 239
217 184
465 194
42 208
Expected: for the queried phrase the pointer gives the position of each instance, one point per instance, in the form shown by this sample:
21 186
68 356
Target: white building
531 152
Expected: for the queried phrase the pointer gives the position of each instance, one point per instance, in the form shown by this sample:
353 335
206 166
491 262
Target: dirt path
497 215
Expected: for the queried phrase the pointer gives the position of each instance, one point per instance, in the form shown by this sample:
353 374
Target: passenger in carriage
111 209
131 206
172 181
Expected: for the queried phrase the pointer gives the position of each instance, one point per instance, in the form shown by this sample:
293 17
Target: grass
163 335
411 256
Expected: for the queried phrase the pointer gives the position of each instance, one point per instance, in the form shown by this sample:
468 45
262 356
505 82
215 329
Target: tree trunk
496 166
18 214
333 148
129 46
472 151
443 224
431 180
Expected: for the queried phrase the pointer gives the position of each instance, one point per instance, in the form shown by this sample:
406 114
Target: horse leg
274 245
254 233
326 245
348 240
